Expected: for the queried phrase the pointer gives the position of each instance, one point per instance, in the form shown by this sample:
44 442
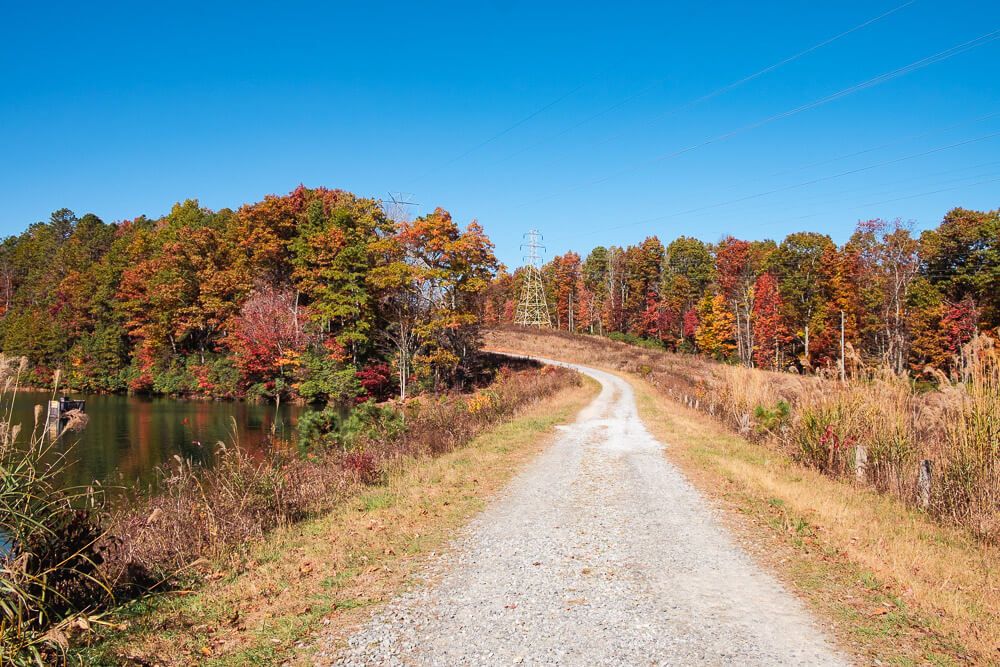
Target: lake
128 437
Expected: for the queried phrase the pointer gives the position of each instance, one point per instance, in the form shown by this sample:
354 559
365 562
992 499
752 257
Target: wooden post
860 463
53 417
843 365
924 483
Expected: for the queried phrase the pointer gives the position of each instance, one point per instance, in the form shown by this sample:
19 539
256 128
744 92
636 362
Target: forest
315 295
886 297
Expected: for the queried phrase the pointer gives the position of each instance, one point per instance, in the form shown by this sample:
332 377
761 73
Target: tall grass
50 564
970 482
822 421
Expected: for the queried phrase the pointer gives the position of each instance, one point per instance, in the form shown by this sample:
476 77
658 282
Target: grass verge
325 575
897 587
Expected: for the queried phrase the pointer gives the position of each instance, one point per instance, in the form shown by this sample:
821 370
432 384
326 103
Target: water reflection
128 437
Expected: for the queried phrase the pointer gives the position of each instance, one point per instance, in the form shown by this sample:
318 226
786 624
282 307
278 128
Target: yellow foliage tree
716 330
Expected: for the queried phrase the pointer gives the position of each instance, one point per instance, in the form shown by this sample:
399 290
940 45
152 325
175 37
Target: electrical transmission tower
397 206
532 309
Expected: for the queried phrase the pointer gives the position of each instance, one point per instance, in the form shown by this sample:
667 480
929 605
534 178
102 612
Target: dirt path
598 553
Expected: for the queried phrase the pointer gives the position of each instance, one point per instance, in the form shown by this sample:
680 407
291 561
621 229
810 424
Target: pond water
128 437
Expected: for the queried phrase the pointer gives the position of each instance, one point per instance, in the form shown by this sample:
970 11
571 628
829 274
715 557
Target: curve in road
599 553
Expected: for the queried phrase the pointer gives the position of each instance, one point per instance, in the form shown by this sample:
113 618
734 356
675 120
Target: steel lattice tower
532 309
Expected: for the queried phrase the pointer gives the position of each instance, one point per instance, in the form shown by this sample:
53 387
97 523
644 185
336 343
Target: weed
822 421
51 559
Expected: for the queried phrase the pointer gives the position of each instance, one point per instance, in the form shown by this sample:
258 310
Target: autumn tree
961 258
798 265
335 248
878 266
640 298
737 265
430 283
498 301
769 331
268 336
687 272
716 330
567 285
594 275
183 286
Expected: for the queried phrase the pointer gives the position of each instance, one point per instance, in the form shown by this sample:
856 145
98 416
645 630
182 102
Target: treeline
316 294
885 297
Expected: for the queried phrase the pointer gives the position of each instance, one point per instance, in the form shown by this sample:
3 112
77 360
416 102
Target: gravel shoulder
599 552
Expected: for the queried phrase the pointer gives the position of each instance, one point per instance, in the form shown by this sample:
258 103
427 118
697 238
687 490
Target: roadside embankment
899 585
260 604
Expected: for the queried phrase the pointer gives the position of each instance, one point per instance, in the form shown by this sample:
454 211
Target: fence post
924 483
860 463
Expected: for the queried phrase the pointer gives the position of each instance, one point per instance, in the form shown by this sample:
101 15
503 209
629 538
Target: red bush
378 381
364 465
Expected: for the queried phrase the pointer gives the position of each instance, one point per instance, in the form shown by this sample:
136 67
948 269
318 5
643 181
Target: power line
864 85
888 144
877 190
805 183
769 68
985 179
977 178
504 131
849 172
704 98
927 193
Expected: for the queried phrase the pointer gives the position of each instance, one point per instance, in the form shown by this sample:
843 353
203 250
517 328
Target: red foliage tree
267 335
690 323
769 330
378 381
958 326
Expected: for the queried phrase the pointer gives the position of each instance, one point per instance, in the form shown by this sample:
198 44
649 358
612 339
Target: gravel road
599 553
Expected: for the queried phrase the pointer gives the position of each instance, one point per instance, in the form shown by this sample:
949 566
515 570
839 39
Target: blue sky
123 109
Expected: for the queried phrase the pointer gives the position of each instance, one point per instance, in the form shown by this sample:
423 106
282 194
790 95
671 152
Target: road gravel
598 553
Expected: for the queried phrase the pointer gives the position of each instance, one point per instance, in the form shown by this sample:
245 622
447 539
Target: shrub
772 420
632 339
969 491
346 429
955 423
325 380
378 381
820 434
51 568
364 466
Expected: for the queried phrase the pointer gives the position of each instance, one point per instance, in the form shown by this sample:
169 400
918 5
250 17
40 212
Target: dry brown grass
326 573
898 586
820 421
215 513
